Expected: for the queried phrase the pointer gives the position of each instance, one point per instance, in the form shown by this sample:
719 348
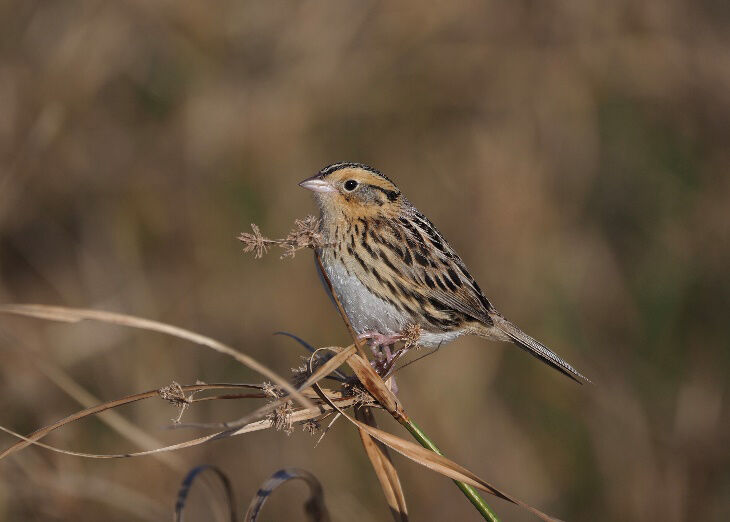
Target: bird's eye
350 185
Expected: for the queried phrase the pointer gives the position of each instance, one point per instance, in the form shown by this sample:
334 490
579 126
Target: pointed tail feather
536 348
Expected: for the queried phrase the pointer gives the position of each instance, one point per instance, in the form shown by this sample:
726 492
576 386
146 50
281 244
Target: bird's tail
536 348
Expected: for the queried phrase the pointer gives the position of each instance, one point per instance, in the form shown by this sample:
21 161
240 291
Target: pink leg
380 345
385 359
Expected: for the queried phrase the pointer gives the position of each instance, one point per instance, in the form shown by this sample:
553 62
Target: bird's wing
421 268
427 270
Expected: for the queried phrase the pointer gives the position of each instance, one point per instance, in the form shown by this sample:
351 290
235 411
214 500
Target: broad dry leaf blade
384 468
376 386
440 464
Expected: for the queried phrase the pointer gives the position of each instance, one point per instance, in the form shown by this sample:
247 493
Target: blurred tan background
575 154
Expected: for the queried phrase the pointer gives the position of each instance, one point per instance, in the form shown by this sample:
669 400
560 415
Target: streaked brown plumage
391 268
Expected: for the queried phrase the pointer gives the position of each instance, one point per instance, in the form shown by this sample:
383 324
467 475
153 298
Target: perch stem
470 492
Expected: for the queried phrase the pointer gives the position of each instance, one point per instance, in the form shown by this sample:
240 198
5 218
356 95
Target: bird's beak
317 184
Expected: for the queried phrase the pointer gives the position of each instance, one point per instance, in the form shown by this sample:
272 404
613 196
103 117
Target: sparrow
391 269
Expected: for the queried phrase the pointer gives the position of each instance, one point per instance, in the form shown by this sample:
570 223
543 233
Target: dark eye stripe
392 195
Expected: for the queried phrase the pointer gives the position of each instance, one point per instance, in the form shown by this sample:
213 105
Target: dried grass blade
377 387
66 314
384 468
187 483
438 463
296 416
442 465
315 507
42 432
181 445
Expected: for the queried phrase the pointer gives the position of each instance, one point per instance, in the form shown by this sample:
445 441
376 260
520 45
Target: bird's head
354 190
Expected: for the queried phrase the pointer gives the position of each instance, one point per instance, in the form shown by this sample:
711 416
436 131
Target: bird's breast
366 311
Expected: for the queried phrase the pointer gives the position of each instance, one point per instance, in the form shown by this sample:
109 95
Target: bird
391 269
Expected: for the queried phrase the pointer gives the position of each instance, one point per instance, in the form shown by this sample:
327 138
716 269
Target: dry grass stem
280 413
311 426
67 314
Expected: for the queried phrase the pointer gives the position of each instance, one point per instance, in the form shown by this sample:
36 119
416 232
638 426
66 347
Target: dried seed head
280 418
311 426
254 242
272 390
174 394
306 234
355 389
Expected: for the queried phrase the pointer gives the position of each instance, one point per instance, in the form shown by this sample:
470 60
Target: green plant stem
469 492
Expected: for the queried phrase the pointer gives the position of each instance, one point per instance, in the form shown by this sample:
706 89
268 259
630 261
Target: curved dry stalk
315 507
356 358
94 410
73 315
187 483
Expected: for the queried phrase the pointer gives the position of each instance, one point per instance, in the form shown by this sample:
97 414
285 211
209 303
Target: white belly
366 311
436 339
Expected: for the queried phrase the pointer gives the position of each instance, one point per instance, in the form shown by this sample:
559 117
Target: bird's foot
381 345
